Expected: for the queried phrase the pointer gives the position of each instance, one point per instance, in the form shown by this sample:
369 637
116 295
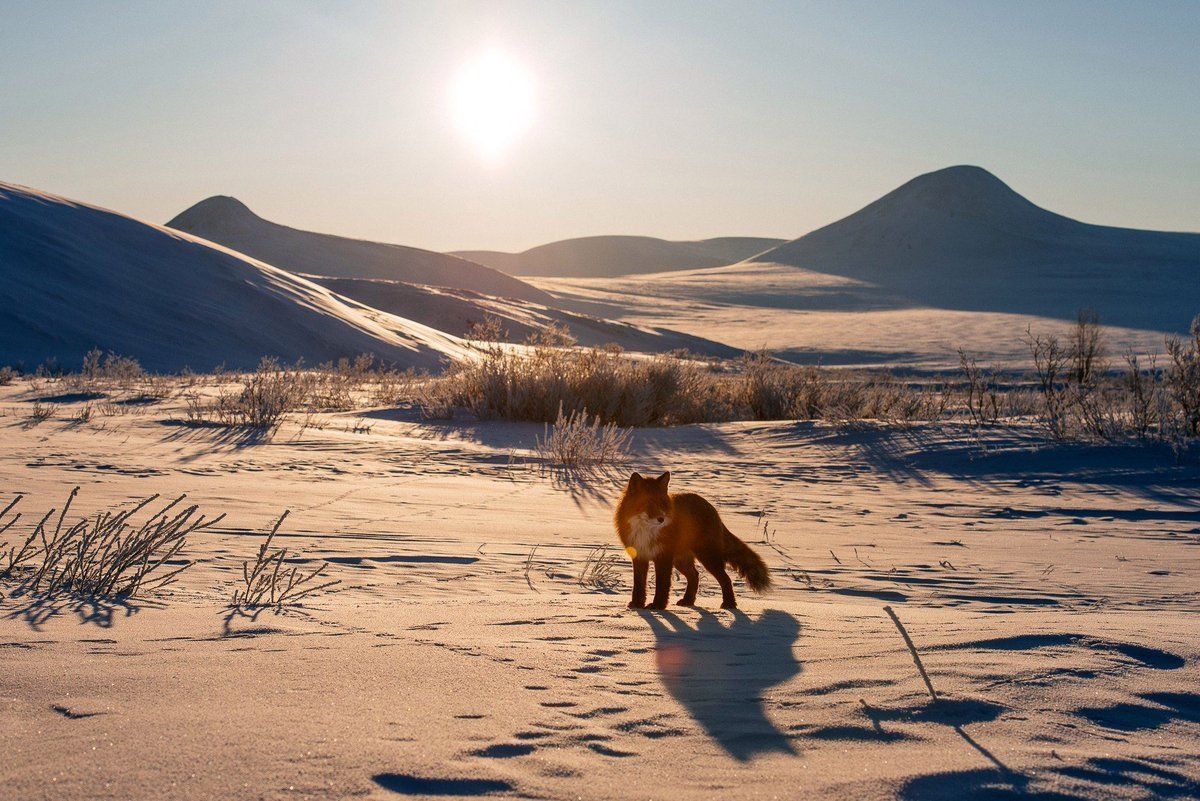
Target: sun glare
492 100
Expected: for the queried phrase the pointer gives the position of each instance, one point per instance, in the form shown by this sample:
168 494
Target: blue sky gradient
674 119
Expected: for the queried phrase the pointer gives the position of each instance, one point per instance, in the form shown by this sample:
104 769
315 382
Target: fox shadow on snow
719 673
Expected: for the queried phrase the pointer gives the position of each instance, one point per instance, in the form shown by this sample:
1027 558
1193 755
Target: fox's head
647 499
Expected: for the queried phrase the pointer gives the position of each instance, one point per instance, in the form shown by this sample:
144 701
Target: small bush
40 413
983 391
261 403
601 570
267 582
1081 397
1144 395
1183 377
84 414
577 442
7 376
100 372
105 556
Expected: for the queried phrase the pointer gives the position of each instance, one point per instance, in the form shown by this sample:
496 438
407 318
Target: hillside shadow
719 673
995 456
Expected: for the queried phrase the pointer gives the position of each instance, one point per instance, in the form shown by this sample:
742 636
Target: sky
681 120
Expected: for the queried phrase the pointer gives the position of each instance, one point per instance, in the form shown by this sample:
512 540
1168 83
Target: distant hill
77 277
607 256
227 221
960 238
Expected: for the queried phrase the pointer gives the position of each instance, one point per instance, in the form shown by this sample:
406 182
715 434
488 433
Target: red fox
672 530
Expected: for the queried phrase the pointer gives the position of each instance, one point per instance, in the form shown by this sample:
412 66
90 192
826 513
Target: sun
492 103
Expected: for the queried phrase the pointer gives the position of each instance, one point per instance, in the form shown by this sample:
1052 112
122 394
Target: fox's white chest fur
644 535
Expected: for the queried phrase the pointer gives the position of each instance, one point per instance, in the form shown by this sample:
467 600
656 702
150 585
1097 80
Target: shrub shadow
36 609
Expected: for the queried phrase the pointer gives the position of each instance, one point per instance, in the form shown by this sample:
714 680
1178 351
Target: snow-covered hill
227 221
960 238
75 277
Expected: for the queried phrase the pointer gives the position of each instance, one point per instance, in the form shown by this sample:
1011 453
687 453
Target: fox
674 530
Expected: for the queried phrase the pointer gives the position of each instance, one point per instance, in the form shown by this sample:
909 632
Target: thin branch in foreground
528 566
912 649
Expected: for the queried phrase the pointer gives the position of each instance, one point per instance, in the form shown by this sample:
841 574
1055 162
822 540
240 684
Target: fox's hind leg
716 565
687 566
641 568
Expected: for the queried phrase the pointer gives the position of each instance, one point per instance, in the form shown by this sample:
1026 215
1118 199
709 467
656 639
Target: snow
1050 591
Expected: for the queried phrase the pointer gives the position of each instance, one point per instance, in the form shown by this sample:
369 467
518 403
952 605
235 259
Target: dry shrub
601 570
982 391
267 582
770 390
102 372
1080 397
1183 377
532 384
390 387
105 556
1050 360
84 414
266 396
669 389
106 374
1144 394
1076 399
40 413
261 402
7 376
577 442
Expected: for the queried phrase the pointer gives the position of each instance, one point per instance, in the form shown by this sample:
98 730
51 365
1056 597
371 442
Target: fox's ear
664 479
636 478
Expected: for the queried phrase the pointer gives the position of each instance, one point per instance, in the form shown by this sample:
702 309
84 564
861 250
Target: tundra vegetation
1073 390
587 399
130 552
105 555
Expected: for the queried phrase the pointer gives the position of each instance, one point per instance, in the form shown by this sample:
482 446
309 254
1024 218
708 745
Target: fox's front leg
664 566
641 568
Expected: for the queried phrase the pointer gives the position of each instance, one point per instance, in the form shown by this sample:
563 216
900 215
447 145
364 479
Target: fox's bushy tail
747 563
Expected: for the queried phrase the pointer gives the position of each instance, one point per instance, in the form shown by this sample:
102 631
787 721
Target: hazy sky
680 120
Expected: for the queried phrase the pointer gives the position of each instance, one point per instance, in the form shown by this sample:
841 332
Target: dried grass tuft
577 442
266 582
601 570
104 556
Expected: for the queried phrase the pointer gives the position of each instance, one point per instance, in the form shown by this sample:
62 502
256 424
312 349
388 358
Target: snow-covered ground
812 317
1050 590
